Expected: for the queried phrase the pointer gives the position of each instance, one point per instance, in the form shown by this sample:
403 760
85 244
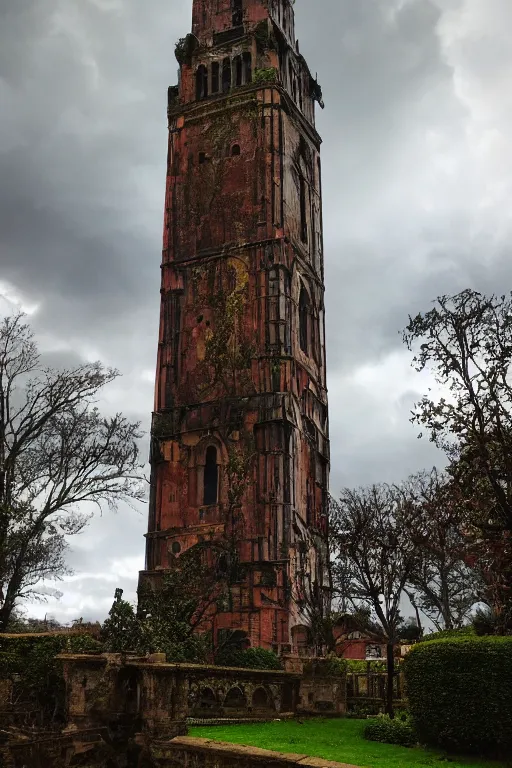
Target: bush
449 634
251 658
460 693
398 731
30 663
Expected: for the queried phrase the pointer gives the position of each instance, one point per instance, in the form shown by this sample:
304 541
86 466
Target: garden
459 695
338 740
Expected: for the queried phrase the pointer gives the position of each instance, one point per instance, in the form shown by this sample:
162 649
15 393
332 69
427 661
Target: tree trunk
390 650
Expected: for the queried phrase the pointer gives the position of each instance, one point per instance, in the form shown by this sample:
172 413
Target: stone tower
240 448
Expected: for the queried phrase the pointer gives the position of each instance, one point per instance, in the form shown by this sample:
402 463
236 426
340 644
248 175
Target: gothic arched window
215 77
201 82
303 211
239 71
226 75
247 59
211 477
238 12
304 320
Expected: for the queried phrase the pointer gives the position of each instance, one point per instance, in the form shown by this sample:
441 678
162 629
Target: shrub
460 693
251 658
449 634
264 76
29 662
398 731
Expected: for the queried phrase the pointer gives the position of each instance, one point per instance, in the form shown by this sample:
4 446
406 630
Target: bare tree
371 542
56 453
466 341
446 588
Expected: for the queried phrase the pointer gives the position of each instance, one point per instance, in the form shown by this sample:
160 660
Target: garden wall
187 752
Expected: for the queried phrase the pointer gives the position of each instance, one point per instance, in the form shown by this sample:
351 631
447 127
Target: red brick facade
240 443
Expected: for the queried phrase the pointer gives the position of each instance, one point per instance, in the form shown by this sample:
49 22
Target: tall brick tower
240 448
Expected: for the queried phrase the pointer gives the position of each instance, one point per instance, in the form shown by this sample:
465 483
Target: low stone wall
185 752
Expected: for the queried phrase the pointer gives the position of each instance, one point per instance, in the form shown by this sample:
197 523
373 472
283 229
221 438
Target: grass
340 740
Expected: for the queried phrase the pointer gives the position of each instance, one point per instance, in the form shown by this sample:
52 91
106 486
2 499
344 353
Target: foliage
485 622
332 666
183 50
358 665
445 588
30 663
409 631
460 693
466 342
119 632
447 634
250 658
400 730
368 533
338 739
173 616
264 76
56 451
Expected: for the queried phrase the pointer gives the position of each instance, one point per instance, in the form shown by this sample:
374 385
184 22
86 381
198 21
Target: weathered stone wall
202 753
323 689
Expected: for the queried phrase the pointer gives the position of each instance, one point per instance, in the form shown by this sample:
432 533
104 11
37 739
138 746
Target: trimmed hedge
398 731
460 693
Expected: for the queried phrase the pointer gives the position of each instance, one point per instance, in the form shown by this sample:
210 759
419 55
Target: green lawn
340 740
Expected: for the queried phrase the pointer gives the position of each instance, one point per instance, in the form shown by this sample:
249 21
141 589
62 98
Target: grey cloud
415 201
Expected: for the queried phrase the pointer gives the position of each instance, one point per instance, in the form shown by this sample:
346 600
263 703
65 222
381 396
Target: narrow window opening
303 212
247 57
202 158
238 71
304 320
235 150
238 12
202 82
226 75
215 77
211 477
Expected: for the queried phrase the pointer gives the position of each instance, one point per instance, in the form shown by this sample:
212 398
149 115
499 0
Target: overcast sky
417 189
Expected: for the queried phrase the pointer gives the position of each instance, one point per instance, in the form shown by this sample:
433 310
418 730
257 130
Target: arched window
215 77
247 57
235 150
238 12
226 75
303 211
237 61
211 477
304 320
201 82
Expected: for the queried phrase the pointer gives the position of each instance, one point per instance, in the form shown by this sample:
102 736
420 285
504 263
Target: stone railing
202 753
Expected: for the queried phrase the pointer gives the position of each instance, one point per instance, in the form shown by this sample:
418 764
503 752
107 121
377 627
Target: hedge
460 693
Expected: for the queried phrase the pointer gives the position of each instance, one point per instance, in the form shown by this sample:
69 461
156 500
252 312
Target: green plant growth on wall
30 664
460 693
266 76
